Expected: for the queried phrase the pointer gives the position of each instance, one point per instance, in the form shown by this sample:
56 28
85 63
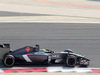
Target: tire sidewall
5 59
67 59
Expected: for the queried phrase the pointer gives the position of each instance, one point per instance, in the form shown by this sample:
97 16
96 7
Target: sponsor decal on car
27 49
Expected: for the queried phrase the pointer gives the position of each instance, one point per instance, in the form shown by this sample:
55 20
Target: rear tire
9 60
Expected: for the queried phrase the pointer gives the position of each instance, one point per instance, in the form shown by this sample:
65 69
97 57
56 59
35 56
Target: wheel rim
71 61
9 61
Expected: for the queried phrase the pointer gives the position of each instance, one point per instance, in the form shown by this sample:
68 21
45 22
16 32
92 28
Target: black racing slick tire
9 61
70 61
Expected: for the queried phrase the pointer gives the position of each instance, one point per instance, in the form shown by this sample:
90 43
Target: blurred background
50 10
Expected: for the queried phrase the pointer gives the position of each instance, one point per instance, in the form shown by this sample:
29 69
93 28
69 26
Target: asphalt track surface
82 38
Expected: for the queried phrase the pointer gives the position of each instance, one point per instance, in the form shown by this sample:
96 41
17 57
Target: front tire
69 51
70 61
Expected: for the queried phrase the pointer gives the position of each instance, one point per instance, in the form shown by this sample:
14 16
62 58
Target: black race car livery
35 55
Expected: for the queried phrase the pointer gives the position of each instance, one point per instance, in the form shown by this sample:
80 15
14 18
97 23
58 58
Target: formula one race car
35 55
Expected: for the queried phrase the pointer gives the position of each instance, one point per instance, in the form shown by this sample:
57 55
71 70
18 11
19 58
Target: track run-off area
50 10
68 4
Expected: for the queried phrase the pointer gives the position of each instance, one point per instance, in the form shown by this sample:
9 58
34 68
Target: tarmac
82 38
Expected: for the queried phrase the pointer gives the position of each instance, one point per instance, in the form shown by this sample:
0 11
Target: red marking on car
29 54
27 49
81 63
8 57
73 65
69 57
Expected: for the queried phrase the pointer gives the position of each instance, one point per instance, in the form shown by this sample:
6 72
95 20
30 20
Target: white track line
46 22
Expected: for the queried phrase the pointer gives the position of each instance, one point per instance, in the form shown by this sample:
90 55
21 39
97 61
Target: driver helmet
44 50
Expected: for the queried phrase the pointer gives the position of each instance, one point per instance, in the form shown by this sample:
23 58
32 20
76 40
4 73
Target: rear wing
4 49
4 45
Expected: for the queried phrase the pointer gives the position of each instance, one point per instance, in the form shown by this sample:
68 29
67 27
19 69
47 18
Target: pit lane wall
50 69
